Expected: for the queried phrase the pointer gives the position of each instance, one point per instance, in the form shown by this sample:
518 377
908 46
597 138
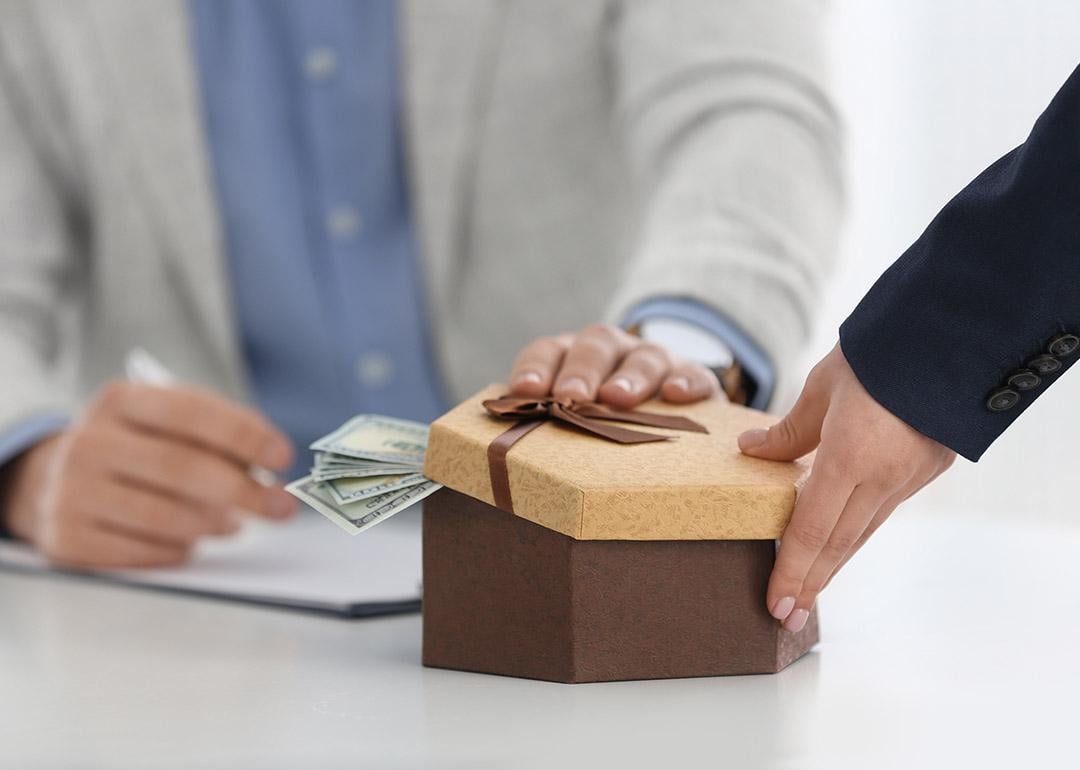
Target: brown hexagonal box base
503 595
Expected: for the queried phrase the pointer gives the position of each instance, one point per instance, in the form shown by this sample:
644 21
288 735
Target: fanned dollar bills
366 471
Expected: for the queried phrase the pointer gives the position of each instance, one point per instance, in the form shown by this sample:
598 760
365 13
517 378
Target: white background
932 92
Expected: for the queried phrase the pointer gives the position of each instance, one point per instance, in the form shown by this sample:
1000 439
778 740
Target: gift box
557 552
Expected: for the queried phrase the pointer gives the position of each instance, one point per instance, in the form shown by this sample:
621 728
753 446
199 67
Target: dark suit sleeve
977 318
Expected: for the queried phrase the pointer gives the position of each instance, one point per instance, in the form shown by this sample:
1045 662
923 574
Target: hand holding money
366 471
142 475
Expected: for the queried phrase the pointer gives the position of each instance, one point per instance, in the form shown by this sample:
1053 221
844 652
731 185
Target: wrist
700 333
21 480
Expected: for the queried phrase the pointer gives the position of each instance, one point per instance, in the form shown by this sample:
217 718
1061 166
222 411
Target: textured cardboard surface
591 489
505 596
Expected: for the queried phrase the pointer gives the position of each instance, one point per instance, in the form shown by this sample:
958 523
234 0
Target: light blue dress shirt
303 119
302 106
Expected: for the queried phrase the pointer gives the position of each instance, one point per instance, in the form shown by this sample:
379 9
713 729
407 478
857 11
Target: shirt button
1002 399
343 222
320 63
1063 345
375 370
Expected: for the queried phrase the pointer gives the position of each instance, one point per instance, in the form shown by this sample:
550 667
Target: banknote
355 517
331 460
371 437
349 490
366 471
329 474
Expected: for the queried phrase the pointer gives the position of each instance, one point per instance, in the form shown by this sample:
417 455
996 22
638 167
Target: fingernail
783 607
528 378
752 438
623 384
264 476
681 383
577 385
796 620
282 504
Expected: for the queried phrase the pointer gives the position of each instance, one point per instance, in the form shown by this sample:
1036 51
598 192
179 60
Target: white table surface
949 643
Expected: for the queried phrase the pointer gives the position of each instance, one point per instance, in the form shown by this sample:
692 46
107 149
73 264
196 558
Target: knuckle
602 331
592 346
550 344
698 372
836 465
786 579
785 432
815 380
810 535
540 348
893 469
651 358
839 544
112 396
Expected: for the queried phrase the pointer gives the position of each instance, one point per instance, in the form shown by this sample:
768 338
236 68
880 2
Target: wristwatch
693 343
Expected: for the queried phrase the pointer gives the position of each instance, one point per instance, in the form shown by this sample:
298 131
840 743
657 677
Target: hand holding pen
143 473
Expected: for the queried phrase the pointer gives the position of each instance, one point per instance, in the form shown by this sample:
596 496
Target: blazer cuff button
1063 345
1043 364
1002 399
1023 379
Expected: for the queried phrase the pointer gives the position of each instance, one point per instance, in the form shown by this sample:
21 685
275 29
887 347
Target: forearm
737 146
36 266
982 292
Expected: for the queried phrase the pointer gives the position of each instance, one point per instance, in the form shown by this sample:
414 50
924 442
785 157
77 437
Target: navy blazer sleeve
982 313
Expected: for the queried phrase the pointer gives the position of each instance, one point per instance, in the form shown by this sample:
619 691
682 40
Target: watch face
688 341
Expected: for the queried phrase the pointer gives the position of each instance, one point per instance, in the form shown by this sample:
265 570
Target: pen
140 366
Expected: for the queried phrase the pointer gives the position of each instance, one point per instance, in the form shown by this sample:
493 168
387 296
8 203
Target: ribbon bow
531 413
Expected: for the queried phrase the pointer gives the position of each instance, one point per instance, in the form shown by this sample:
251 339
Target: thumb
795 435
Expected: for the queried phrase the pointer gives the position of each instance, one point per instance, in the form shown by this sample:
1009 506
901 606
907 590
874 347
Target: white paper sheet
306 564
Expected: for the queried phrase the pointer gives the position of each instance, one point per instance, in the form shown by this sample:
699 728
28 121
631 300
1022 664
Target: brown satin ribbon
531 413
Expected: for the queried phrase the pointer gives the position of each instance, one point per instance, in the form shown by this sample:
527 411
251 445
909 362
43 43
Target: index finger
202 417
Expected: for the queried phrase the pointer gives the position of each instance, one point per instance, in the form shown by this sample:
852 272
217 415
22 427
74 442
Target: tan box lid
695 487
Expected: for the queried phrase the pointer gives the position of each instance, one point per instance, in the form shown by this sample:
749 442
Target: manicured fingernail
783 607
681 383
623 384
528 378
752 438
577 385
796 620
282 504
